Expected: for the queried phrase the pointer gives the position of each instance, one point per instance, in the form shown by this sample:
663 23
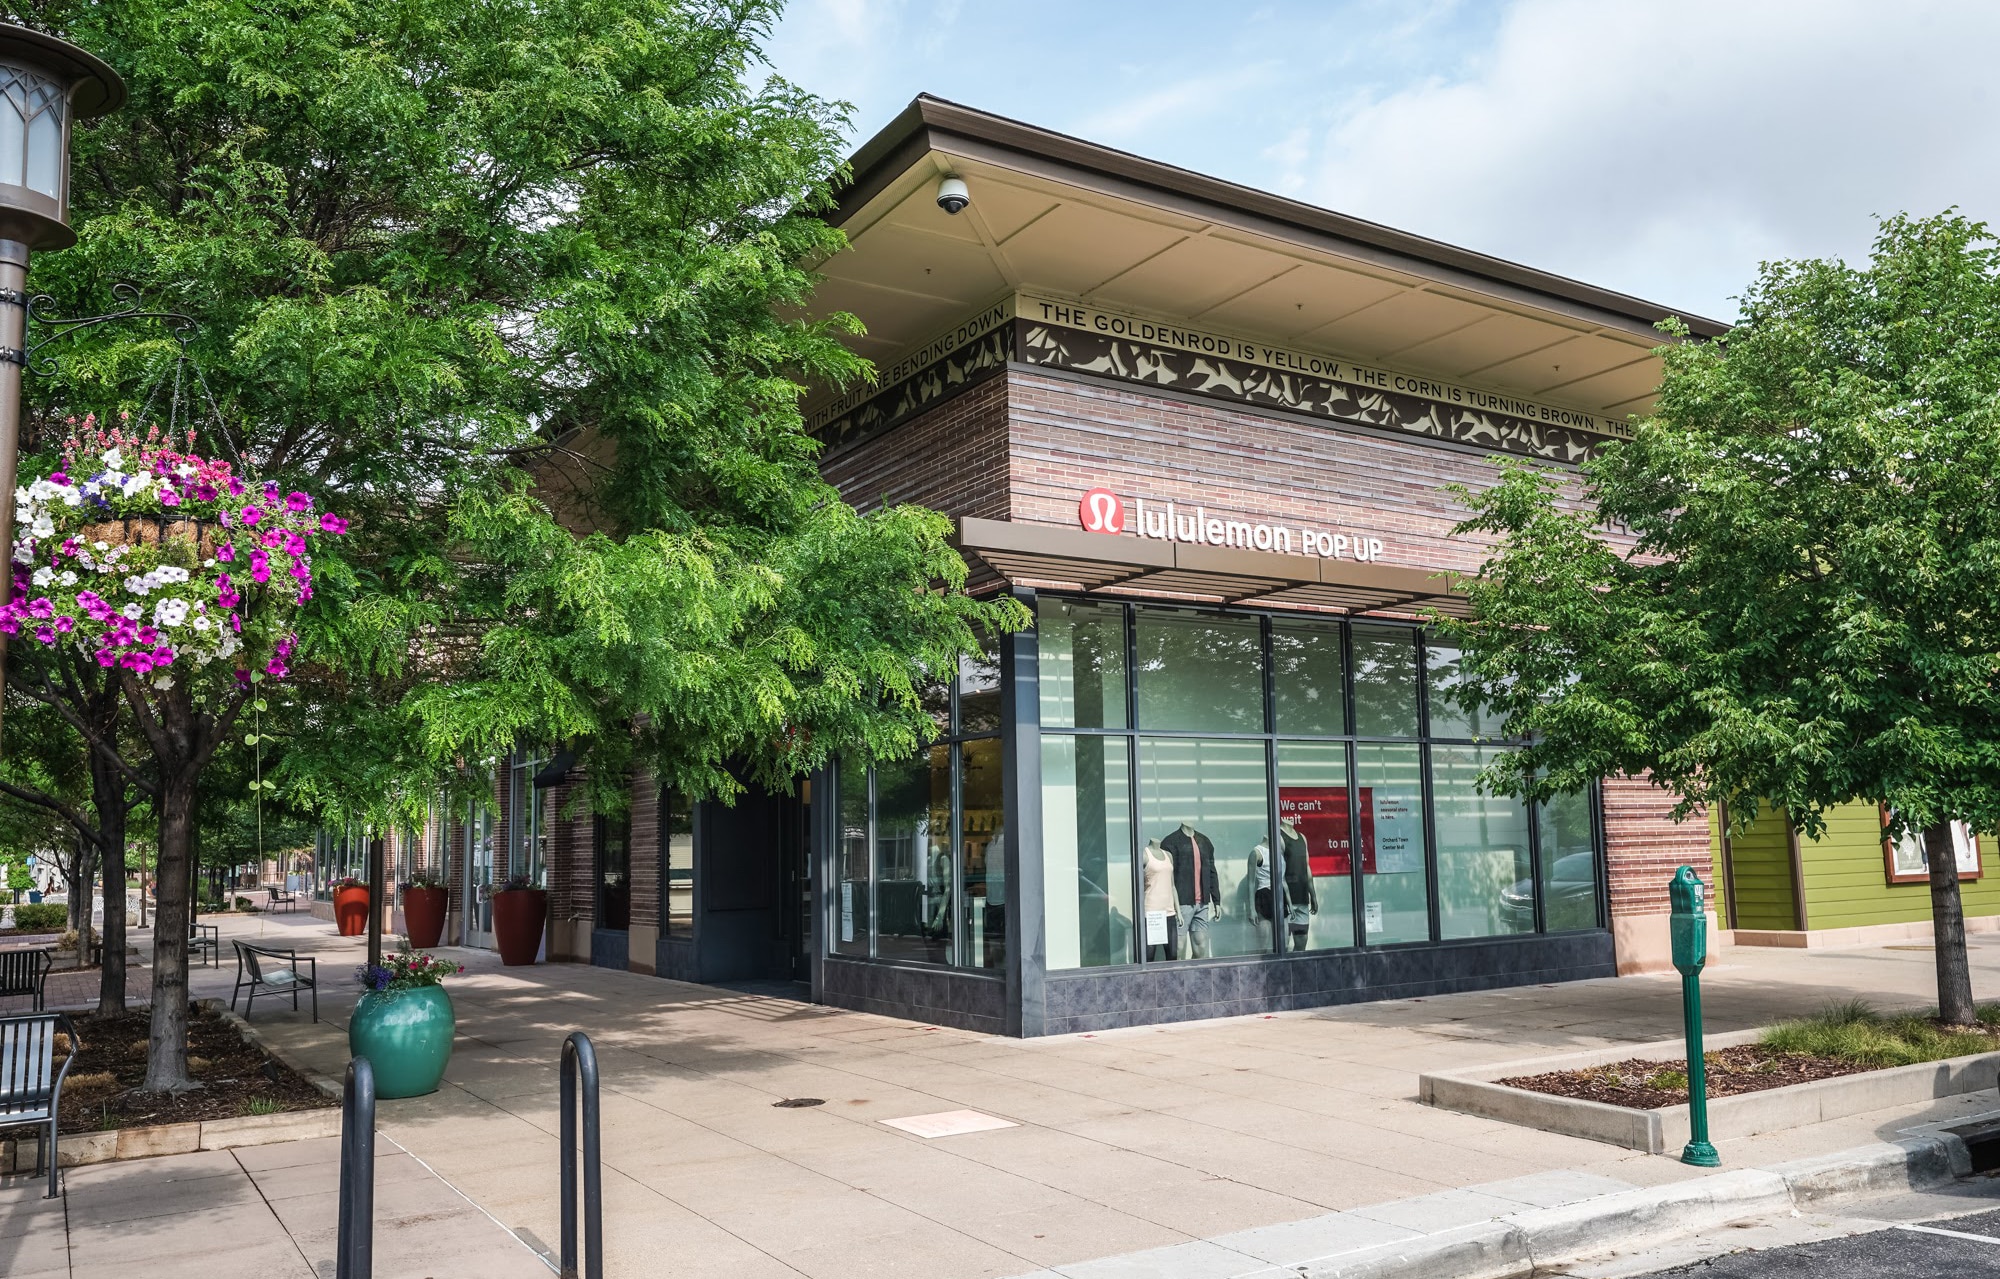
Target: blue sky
1663 149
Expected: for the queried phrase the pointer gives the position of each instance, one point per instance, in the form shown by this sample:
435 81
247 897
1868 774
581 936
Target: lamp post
46 85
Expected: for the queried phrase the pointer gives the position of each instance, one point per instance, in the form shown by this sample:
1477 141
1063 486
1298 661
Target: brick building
1208 436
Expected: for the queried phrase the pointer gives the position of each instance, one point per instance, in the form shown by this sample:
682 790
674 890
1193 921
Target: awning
1043 556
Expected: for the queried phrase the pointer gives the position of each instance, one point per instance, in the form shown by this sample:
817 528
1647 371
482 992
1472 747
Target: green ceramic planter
406 1037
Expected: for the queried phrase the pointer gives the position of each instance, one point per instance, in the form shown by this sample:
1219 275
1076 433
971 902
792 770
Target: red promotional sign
1101 511
1319 813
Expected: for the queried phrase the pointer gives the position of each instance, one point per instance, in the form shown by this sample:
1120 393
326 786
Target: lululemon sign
1100 511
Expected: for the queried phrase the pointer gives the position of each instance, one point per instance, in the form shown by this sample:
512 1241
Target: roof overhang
1043 556
1056 214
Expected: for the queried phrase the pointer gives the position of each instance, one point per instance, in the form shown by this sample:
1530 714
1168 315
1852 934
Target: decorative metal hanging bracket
179 326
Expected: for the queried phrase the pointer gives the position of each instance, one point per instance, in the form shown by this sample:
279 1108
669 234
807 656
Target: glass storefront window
1316 853
1087 851
1569 863
851 913
1308 690
1395 882
1484 869
1082 649
1451 717
983 854
913 871
614 872
1204 819
979 691
1200 672
1385 680
677 859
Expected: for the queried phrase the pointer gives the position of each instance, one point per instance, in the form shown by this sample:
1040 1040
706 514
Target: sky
1659 149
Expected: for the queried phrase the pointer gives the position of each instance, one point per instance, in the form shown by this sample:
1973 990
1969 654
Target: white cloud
1121 121
1666 149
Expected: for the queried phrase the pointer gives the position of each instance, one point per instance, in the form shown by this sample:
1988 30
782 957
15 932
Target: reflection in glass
1316 855
1569 863
677 849
1482 849
1204 820
1087 850
913 858
979 690
1200 671
1395 883
1082 664
1451 717
614 872
1385 681
851 913
983 845
1307 693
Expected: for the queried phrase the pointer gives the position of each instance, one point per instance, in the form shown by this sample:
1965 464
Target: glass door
479 875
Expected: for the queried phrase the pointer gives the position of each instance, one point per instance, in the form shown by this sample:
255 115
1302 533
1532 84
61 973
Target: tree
1807 611
507 284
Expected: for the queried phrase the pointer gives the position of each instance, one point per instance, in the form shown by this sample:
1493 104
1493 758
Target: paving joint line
266 1201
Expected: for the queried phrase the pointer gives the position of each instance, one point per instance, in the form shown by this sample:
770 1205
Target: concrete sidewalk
1122 1142
262 1212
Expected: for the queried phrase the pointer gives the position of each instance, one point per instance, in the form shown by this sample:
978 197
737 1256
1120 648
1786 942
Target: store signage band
1102 511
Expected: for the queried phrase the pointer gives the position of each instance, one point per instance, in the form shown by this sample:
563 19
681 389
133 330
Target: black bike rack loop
355 1253
579 1065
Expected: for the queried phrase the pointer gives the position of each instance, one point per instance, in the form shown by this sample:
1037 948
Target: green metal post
1689 926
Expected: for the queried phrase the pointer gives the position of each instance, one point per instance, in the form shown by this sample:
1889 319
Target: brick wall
1643 847
645 851
951 459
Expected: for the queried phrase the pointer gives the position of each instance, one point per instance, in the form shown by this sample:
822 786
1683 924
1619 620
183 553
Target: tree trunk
108 790
166 1060
1954 973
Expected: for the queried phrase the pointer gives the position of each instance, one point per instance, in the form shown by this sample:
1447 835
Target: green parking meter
1689 925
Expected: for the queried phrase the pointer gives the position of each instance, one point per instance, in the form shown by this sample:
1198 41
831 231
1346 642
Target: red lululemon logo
1100 511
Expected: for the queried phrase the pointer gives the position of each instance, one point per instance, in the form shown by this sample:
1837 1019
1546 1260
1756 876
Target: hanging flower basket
201 537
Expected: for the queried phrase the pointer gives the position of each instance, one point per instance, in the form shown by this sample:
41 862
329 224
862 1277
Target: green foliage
19 878
1854 1032
41 916
508 284
1786 590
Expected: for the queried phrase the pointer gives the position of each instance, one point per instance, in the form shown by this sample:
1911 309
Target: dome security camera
952 195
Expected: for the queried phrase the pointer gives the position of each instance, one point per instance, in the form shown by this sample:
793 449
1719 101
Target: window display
1206 803
913 870
1395 881
1313 836
1087 850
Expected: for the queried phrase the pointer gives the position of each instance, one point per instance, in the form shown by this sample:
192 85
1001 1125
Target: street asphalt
1958 1247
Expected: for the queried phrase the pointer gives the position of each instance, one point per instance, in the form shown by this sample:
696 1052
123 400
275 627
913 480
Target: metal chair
205 939
252 973
30 1081
23 972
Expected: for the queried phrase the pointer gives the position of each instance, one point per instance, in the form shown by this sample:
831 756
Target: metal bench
282 896
31 1082
23 972
205 940
267 970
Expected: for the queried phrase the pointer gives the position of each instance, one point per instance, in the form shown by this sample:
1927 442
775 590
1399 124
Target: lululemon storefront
1216 442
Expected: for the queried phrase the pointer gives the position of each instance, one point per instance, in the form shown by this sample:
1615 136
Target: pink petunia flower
260 566
65 624
46 634
331 523
252 514
169 498
298 502
226 552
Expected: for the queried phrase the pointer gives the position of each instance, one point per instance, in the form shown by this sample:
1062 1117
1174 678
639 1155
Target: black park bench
31 1082
23 972
270 971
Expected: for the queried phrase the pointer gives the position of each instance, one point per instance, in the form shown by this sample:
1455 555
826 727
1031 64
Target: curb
327 1084
1541 1240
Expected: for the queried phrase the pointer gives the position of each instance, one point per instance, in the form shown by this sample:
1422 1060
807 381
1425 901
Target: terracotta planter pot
350 911
423 916
519 915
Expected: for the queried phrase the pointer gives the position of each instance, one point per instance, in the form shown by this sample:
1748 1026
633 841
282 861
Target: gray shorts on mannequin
1194 929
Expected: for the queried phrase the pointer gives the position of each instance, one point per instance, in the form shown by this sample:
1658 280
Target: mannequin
1260 876
1197 887
1301 894
937 888
1159 881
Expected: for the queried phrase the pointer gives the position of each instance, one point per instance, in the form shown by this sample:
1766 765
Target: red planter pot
423 916
350 911
519 915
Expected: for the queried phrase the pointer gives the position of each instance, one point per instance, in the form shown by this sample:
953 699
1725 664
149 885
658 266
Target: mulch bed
102 1088
1746 1068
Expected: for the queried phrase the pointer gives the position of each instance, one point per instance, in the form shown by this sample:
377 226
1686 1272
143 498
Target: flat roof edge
928 120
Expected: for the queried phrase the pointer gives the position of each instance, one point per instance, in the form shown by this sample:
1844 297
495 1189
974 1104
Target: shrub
50 917
1855 1032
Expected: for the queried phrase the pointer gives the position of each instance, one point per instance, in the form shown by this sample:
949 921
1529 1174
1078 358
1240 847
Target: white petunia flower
170 612
100 546
200 622
112 460
138 585
44 575
67 577
132 611
43 527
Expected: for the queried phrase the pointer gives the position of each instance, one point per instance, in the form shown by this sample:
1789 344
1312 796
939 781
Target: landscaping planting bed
236 1078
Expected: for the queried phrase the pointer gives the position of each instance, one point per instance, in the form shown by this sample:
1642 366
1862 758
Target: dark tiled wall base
917 994
1189 992
609 949
676 960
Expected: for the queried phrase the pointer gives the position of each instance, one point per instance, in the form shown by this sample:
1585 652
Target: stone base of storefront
1644 945
1106 999
939 995
1865 935
610 948
641 946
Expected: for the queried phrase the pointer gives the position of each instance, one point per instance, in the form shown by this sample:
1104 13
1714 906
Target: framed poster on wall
1904 861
